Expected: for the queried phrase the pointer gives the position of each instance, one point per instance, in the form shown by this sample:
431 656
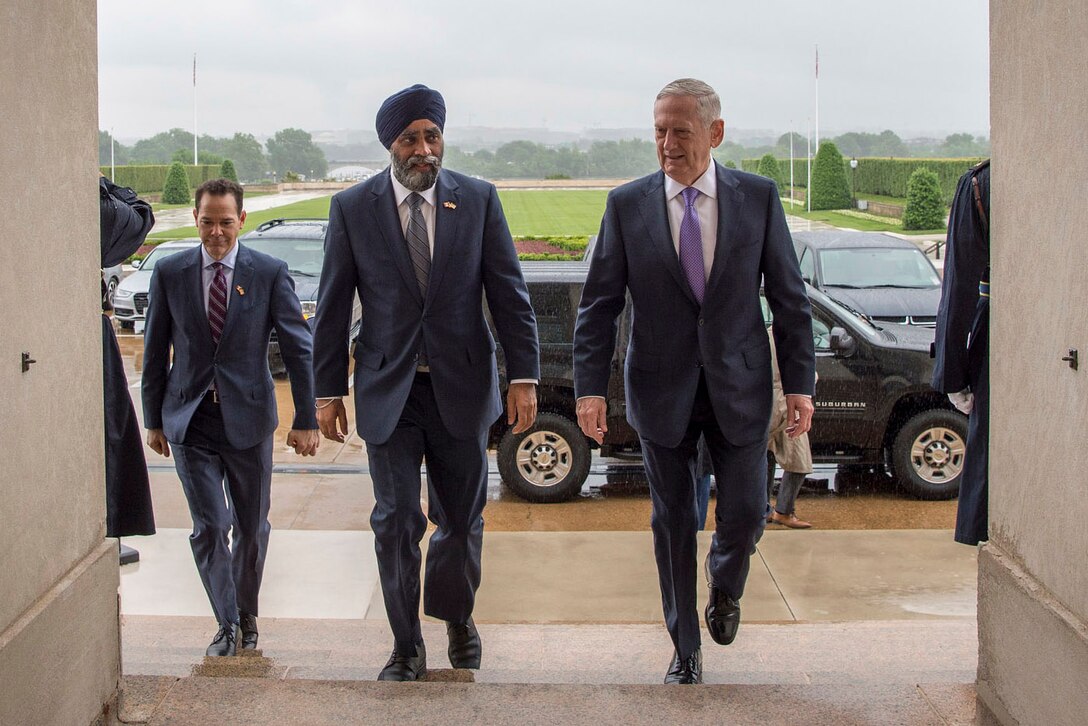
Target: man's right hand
592 417
158 443
329 414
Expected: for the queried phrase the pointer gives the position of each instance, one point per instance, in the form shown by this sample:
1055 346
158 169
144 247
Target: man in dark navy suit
423 246
691 245
962 343
215 403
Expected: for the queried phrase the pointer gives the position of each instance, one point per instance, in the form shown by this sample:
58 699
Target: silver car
130 297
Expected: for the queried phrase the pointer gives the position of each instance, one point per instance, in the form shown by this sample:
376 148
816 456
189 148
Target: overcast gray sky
914 66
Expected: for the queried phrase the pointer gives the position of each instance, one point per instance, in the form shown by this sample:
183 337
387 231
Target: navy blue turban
406 107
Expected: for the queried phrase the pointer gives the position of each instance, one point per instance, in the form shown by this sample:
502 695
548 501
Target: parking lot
615 496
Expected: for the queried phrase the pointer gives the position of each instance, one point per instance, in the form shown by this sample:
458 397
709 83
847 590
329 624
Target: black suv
301 244
874 405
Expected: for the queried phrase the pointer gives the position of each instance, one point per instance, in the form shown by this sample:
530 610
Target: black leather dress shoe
405 667
225 641
465 649
248 625
686 672
722 617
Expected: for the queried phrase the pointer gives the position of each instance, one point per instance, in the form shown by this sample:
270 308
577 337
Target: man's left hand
521 406
304 441
798 414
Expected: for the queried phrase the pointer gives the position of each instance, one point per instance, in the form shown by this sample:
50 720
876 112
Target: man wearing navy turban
421 246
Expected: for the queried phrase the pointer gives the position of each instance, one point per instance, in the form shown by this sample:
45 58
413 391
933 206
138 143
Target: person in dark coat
125 222
962 346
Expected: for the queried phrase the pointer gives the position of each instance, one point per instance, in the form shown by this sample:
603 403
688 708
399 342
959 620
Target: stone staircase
321 672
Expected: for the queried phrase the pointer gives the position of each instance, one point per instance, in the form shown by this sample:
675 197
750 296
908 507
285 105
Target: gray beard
416 181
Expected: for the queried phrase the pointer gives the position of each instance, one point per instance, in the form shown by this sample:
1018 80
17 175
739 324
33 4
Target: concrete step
242 701
872 652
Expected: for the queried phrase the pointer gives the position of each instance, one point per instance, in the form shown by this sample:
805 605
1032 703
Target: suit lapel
730 201
194 287
243 274
387 222
446 225
655 216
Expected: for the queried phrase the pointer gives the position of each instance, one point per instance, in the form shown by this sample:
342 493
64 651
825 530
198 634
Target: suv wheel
548 463
928 454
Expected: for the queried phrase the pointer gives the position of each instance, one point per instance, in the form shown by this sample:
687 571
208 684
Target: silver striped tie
418 249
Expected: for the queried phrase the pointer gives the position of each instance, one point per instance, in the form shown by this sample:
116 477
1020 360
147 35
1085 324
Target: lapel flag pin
449 205
239 289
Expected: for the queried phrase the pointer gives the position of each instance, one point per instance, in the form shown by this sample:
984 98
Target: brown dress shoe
788 520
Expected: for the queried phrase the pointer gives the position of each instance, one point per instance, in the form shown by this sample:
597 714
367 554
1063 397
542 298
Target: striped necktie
217 302
418 249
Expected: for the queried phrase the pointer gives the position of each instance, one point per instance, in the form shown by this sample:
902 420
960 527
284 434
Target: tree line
294 150
288 150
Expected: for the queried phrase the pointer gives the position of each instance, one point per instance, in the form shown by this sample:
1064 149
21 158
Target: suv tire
548 463
928 454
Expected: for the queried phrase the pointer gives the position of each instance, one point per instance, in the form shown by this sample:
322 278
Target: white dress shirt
401 192
207 271
706 207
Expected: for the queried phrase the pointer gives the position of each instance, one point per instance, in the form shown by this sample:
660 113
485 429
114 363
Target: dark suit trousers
740 514
228 491
456 488
972 508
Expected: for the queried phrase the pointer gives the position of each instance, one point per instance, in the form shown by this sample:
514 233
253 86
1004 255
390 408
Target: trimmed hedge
830 189
924 209
151 178
770 168
226 171
886 177
176 189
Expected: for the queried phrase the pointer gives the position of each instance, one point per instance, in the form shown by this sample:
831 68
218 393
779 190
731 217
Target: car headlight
309 309
122 294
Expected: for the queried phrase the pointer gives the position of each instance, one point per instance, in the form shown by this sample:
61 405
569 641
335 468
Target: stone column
59 638
1033 574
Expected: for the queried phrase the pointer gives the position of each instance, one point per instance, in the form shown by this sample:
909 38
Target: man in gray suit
423 246
691 245
215 403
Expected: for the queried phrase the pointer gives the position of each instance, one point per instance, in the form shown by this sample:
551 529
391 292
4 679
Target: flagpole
817 99
808 187
791 167
194 113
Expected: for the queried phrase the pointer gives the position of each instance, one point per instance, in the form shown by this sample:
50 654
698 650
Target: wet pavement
614 498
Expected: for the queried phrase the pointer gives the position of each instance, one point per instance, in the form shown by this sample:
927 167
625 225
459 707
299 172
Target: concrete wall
59 646
1033 577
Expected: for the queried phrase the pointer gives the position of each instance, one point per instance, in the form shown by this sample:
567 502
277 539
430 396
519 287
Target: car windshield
303 256
871 267
157 255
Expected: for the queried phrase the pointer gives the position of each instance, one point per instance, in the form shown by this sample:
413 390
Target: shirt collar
707 183
227 261
401 192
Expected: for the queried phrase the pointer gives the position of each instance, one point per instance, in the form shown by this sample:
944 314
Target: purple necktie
217 303
691 245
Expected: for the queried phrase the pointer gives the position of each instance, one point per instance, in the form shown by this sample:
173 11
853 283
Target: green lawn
310 208
553 212
528 212
846 221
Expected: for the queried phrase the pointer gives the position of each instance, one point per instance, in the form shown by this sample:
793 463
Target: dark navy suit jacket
473 257
262 297
672 335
